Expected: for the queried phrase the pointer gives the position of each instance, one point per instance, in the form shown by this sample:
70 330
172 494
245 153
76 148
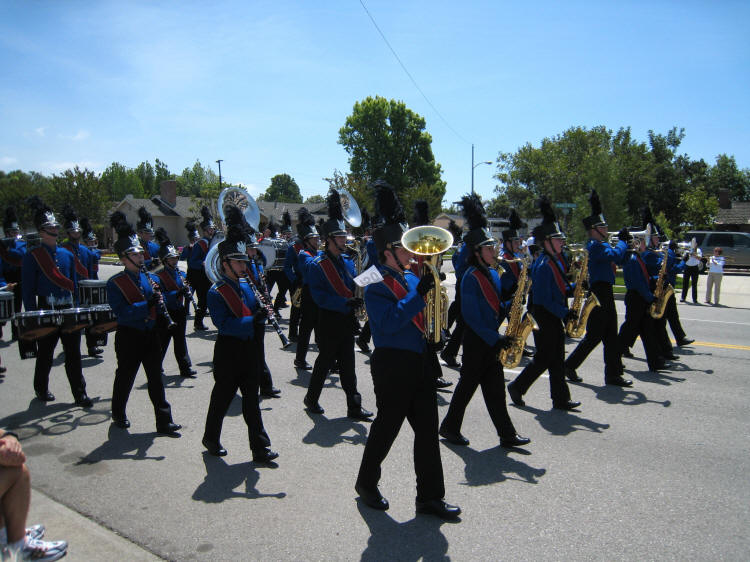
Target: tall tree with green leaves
386 140
145 172
726 175
117 182
16 187
81 189
284 189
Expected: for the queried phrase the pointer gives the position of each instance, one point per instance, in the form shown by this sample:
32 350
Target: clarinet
269 308
187 284
162 305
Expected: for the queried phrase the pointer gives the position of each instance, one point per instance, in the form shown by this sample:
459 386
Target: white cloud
79 136
40 131
7 160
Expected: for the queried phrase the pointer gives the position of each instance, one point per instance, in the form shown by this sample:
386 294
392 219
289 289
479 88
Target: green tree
698 208
315 200
193 182
725 175
162 173
145 173
81 189
117 182
386 140
16 187
284 189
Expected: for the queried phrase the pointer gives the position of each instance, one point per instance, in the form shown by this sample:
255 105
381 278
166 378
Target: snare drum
36 324
103 319
6 306
91 292
274 252
74 319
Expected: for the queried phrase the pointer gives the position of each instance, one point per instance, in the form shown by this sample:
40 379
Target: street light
219 163
474 166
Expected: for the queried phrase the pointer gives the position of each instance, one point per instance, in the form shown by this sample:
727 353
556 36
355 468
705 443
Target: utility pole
219 163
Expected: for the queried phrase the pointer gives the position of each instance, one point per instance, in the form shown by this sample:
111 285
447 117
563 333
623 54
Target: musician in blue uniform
370 258
88 237
675 266
450 351
293 275
331 280
196 272
176 295
237 315
602 322
511 250
49 281
309 239
403 381
12 250
638 298
136 305
483 310
187 249
549 308
145 228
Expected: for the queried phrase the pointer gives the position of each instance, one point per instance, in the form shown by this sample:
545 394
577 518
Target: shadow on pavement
331 432
55 418
558 422
122 445
222 479
495 465
627 396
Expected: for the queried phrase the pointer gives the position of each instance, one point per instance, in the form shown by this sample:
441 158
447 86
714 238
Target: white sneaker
44 551
35 532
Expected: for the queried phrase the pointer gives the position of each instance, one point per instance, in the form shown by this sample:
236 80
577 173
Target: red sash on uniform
146 253
8 258
400 292
513 266
334 279
170 284
234 302
558 277
204 246
132 292
488 291
81 270
297 247
50 269
643 268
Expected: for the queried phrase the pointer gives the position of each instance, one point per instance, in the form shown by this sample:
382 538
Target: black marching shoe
569 405
188 373
214 448
2 369
439 508
84 401
46 396
454 437
272 392
671 356
685 341
514 441
312 407
450 360
571 375
200 327
515 396
95 352
122 423
362 344
627 353
170 429
265 456
304 365
360 414
658 366
372 498
618 381
440 382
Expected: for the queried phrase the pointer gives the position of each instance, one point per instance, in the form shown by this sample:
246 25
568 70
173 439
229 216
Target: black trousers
638 322
690 275
279 278
294 314
601 327
308 321
457 336
15 277
335 343
71 344
177 336
366 333
201 284
236 368
134 348
673 317
549 340
265 381
404 389
479 367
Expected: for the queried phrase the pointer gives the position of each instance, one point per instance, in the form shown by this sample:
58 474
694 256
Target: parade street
657 471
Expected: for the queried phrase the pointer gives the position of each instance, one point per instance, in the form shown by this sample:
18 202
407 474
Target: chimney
724 202
169 192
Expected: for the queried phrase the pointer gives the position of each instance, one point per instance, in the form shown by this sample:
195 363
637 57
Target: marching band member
672 315
638 321
309 239
89 238
134 302
403 383
511 251
331 280
483 310
690 274
549 307
457 233
370 258
293 274
450 352
175 294
193 236
12 258
84 265
196 272
145 228
275 277
49 281
237 315
602 322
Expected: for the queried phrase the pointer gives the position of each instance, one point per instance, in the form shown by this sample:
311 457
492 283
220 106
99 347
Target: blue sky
265 86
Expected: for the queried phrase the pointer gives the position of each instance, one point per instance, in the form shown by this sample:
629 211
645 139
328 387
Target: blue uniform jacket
304 260
84 255
372 253
390 318
674 266
476 311
291 269
134 315
227 323
17 249
185 253
153 249
34 283
459 261
601 258
547 294
171 297
634 279
322 291
508 279
653 262
197 255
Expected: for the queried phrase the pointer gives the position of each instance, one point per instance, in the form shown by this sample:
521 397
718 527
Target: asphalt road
658 471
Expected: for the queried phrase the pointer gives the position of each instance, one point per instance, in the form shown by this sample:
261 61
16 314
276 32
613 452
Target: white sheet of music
368 277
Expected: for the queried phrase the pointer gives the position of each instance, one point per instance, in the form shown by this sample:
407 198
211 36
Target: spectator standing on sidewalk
692 268
715 275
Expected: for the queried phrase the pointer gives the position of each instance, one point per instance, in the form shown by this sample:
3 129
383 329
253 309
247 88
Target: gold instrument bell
431 241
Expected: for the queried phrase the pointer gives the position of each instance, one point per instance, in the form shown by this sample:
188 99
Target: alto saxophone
576 326
519 324
662 292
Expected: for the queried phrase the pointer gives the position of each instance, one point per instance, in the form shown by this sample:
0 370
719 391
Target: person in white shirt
692 264
715 274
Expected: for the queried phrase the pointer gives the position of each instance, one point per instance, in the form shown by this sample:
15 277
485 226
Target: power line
413 81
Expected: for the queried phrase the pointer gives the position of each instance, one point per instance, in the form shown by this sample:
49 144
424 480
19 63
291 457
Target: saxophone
663 290
576 327
519 324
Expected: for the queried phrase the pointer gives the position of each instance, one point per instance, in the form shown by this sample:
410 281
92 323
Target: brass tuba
431 241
